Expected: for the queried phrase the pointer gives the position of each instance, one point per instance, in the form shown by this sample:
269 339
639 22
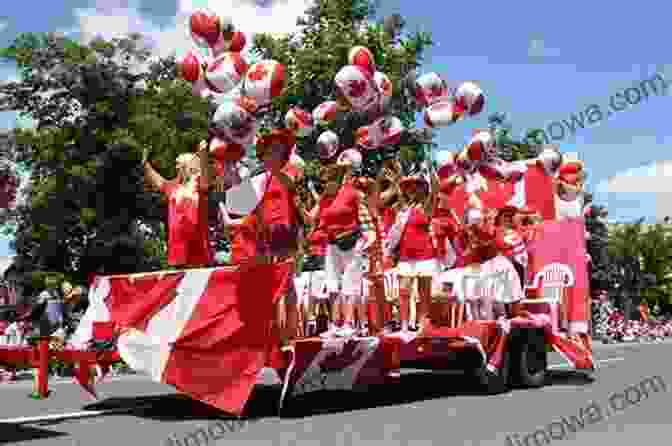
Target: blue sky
537 62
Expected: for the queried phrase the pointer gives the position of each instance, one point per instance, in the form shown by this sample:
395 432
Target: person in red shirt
242 234
446 226
351 233
188 244
413 239
280 217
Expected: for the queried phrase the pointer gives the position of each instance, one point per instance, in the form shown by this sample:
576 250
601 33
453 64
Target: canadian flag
534 190
206 332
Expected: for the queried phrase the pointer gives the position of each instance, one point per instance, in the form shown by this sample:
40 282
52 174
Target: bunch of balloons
476 162
242 91
441 108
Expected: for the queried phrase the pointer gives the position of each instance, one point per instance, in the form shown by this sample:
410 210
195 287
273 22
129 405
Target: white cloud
116 18
653 178
3 25
538 49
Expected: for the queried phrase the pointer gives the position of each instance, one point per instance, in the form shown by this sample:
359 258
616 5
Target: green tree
510 149
314 54
651 246
96 106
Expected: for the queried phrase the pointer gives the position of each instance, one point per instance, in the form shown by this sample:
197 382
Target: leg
405 284
333 271
424 298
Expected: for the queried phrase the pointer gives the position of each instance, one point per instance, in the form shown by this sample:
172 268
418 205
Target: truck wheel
494 383
532 362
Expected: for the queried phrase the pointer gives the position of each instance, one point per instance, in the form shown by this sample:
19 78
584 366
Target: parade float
209 331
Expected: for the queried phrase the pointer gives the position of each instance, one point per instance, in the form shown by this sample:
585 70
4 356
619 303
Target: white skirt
422 268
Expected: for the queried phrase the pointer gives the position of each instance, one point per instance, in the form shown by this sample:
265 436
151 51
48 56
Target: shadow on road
16 433
414 387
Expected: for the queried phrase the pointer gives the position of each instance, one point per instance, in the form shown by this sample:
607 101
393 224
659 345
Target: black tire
531 359
490 383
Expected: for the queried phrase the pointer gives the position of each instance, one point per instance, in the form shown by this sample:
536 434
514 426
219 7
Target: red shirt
445 226
188 242
478 245
342 215
511 243
244 240
318 237
278 205
416 240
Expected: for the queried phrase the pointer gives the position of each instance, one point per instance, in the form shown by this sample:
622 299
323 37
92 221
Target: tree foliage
650 246
314 54
95 107
509 148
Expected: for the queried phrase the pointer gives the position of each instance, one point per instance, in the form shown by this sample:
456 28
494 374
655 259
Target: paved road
425 410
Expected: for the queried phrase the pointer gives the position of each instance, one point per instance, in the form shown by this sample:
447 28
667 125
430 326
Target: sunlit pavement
425 409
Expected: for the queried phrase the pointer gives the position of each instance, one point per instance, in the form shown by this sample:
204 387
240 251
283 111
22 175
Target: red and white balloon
430 88
226 72
469 98
328 144
205 28
264 81
300 121
234 123
356 86
362 57
325 113
441 114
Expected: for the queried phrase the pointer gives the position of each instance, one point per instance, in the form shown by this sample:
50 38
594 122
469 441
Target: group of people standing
353 229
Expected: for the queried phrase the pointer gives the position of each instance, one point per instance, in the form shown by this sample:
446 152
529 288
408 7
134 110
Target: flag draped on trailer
207 332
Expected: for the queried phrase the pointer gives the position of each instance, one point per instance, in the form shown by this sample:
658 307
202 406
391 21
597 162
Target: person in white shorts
412 238
351 234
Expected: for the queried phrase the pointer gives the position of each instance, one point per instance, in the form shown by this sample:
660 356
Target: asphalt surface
425 409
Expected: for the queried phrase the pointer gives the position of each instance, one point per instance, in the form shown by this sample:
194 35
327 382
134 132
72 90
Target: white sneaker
345 331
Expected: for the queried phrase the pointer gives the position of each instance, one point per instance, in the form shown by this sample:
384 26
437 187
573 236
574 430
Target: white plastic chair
553 281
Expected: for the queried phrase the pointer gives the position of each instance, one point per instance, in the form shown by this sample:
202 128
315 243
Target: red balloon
227 151
190 67
238 42
206 26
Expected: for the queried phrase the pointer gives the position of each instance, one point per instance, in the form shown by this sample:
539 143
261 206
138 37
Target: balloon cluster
242 91
359 88
477 162
441 108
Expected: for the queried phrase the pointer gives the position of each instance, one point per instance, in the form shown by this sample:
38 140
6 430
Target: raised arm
203 155
155 180
430 201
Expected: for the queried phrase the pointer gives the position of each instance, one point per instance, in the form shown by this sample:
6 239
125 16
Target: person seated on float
187 194
510 242
351 232
412 237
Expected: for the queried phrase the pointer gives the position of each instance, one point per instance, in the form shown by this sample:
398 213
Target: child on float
187 195
351 233
413 239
